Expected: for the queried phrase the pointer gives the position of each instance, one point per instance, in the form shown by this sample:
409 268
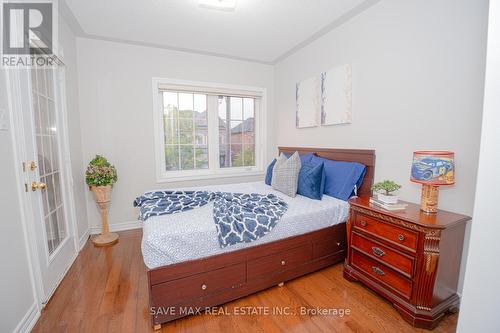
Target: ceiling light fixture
226 5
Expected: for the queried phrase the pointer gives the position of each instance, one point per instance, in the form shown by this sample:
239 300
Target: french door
44 160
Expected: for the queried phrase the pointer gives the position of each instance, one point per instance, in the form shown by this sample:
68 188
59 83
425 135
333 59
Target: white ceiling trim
174 48
78 30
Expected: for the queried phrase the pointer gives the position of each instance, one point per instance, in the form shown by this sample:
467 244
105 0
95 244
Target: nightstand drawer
383 274
389 232
400 262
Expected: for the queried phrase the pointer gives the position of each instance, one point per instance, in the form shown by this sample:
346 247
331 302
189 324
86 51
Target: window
236 131
185 131
207 130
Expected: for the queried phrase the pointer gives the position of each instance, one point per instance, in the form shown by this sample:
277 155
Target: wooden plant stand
103 198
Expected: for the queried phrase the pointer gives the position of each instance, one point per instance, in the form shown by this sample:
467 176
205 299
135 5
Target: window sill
239 174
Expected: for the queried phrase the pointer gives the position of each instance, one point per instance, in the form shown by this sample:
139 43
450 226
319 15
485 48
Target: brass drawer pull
363 223
378 271
401 237
203 287
378 251
283 262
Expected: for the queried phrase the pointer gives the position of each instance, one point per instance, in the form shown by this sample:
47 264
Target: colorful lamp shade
434 168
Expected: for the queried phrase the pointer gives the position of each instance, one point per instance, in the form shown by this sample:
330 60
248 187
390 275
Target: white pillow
286 174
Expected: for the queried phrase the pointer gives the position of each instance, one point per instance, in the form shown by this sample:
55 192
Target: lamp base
429 198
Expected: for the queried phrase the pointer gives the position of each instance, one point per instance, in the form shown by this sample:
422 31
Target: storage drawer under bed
279 262
200 285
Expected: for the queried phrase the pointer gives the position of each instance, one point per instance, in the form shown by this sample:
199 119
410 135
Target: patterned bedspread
238 217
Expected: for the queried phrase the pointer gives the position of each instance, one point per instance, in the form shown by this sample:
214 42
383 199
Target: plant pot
102 194
388 199
103 198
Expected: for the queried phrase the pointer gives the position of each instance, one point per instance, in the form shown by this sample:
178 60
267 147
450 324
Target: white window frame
214 171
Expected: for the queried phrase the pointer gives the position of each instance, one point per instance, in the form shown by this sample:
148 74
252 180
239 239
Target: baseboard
84 239
117 227
29 320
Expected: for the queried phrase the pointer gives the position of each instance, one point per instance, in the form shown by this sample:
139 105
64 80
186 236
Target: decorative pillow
303 158
312 180
269 172
286 174
341 178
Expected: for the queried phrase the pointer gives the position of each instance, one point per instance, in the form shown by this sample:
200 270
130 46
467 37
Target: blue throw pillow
341 177
269 173
311 180
303 158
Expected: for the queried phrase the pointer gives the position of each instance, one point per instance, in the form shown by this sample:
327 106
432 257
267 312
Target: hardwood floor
106 291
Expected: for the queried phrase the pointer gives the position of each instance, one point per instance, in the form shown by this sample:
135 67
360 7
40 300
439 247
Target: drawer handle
363 223
401 237
338 244
283 262
378 271
203 287
378 251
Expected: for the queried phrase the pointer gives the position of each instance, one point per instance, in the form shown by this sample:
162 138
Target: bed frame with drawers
180 289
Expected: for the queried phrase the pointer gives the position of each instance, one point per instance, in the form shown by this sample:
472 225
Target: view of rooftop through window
236 131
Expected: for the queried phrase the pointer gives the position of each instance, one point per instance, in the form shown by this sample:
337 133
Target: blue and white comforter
238 217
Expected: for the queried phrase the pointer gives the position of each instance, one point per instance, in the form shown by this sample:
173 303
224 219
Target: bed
188 271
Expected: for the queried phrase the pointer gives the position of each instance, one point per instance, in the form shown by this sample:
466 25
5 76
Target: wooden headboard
363 156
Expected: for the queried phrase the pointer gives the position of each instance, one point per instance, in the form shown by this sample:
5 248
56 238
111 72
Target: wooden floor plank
106 291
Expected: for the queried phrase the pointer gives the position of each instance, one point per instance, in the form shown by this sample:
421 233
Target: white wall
481 297
418 72
116 104
68 41
417 84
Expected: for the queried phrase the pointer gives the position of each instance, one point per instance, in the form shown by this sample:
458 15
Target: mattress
191 235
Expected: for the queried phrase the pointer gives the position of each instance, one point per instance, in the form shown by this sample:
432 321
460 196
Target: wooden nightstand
409 257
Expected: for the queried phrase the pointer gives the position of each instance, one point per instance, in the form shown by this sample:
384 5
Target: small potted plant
100 177
384 190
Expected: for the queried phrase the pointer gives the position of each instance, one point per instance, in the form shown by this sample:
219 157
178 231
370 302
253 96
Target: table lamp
432 169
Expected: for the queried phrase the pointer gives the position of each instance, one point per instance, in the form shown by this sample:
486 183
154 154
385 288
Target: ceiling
258 30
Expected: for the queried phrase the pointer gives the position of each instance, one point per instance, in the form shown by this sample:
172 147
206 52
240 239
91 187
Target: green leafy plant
100 172
387 185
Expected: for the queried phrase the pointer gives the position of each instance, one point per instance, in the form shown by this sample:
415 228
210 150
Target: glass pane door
47 147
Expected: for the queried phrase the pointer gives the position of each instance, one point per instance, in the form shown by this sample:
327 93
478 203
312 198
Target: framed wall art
336 96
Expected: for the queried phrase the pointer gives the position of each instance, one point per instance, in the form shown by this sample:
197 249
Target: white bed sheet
190 235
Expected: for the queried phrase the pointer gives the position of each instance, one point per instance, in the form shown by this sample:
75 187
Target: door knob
38 186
